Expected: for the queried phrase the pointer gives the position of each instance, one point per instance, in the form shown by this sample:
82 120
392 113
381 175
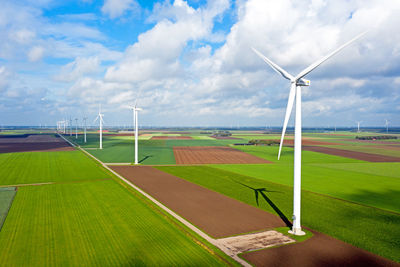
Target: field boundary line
65 139
172 213
49 183
8 208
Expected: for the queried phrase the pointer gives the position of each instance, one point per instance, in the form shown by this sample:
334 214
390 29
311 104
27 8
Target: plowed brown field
28 143
213 155
212 212
309 142
352 154
320 250
171 138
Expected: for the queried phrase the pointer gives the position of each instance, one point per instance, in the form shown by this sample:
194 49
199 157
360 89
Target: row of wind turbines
62 126
296 84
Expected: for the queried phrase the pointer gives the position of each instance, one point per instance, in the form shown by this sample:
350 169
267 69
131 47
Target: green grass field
97 223
42 167
120 149
6 198
373 190
366 227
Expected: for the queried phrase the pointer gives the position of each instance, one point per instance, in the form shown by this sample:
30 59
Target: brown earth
388 147
213 155
352 154
121 134
212 212
28 143
374 142
320 250
167 132
221 216
308 142
171 138
225 138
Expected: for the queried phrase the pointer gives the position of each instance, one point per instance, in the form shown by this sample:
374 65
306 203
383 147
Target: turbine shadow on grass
262 192
146 157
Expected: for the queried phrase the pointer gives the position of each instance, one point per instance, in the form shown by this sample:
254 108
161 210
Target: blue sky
191 61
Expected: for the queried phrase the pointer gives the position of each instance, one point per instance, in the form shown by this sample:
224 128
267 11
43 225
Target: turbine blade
95 119
140 91
322 60
287 115
278 69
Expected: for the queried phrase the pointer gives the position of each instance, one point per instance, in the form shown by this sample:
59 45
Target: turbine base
296 231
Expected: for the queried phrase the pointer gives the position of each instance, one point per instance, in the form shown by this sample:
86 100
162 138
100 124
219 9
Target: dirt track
308 142
225 138
213 155
352 154
171 138
29 143
320 250
214 213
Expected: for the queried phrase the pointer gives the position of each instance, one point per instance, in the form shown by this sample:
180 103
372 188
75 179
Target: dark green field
120 149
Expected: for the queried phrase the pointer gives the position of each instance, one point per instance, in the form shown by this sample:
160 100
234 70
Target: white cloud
36 53
117 8
78 68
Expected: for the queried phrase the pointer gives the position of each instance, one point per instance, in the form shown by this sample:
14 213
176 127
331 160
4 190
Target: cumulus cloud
36 53
190 70
78 68
117 8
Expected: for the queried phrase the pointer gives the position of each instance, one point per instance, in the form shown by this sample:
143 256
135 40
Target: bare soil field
213 155
388 147
214 213
225 138
320 250
171 138
172 132
352 154
309 142
121 134
374 142
28 143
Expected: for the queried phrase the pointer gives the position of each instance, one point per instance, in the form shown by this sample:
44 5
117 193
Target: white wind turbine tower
100 118
136 110
76 128
70 126
84 128
296 82
358 126
387 126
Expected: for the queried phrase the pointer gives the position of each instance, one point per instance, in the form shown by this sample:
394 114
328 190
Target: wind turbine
70 126
296 82
76 128
84 128
387 126
100 118
358 126
136 110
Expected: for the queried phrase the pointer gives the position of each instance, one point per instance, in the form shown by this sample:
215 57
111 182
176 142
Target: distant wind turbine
358 126
84 128
76 128
296 82
100 118
136 110
70 126
387 125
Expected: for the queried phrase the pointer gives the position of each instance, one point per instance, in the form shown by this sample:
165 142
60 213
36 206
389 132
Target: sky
190 63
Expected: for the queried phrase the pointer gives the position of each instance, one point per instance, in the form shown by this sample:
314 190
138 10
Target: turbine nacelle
302 82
